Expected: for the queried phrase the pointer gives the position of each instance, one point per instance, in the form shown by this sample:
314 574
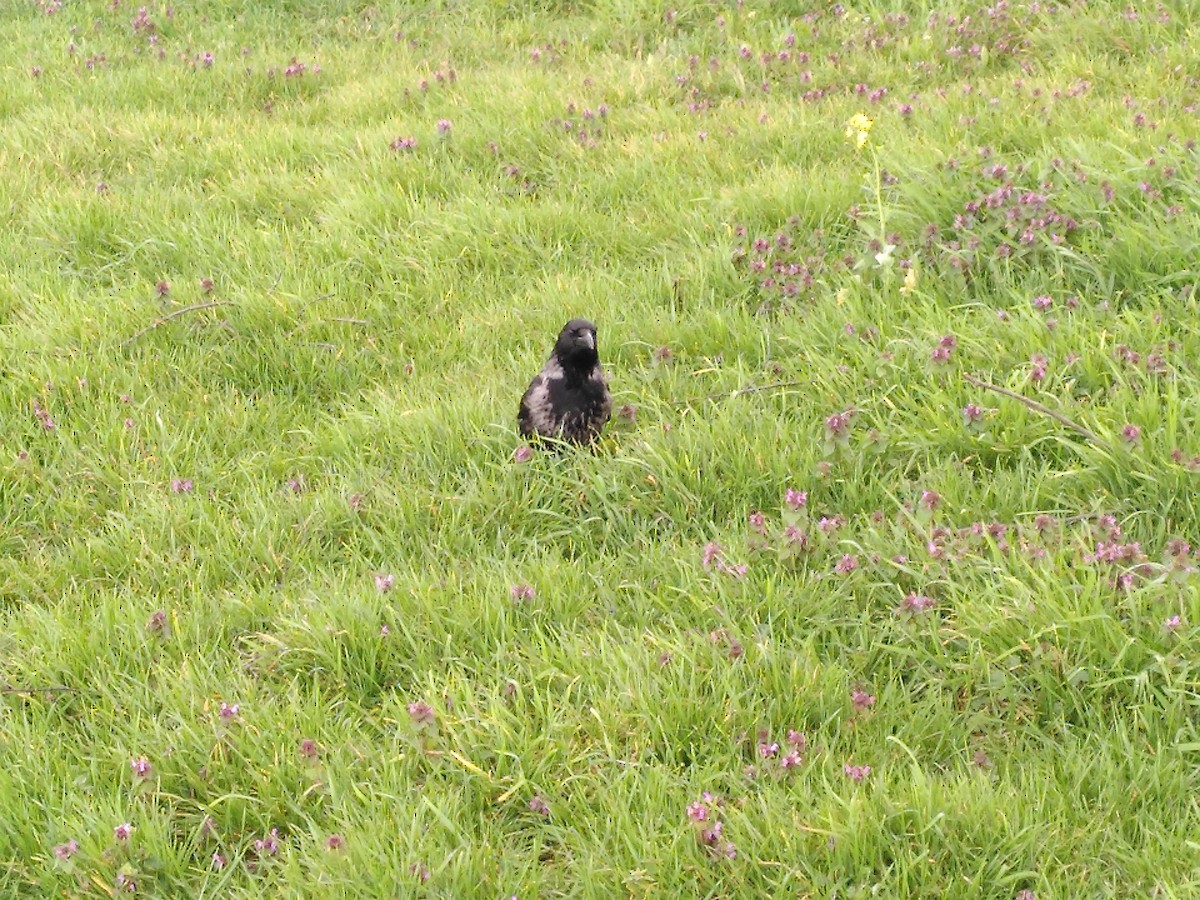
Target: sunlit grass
265 317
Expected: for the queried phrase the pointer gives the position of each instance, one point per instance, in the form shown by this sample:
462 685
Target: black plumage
569 399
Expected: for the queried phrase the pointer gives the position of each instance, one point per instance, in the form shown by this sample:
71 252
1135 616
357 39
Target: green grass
343 401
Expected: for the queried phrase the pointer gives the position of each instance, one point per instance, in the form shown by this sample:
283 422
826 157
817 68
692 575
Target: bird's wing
532 415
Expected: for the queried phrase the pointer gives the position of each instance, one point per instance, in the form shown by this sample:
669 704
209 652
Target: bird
569 399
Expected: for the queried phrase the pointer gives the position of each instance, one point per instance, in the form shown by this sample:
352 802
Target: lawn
882 582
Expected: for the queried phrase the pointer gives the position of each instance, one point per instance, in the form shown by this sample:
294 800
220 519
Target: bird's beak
588 340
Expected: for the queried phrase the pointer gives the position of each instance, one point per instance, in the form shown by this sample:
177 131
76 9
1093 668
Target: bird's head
576 344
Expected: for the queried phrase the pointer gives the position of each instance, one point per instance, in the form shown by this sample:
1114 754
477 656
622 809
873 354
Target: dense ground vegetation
882 582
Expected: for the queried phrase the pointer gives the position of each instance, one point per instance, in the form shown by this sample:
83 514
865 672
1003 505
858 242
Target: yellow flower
910 281
858 129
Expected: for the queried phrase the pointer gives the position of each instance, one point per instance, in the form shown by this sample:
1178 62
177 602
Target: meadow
883 581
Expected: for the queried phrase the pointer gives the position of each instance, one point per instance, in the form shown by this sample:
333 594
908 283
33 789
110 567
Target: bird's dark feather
569 399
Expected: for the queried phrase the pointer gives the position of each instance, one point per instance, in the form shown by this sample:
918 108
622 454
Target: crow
568 400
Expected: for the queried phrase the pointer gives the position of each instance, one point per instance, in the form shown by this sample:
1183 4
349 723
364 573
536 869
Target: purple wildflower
972 413
847 564
713 839
43 416
1172 624
521 592
229 712
383 583
421 713
856 773
123 831
522 454
697 812
269 845
917 603
157 623
721 637
162 288
65 851
768 751
141 767
444 126
142 21
538 805
861 699
829 524
1131 433
335 842
737 571
837 424
181 485
218 861
795 499
795 537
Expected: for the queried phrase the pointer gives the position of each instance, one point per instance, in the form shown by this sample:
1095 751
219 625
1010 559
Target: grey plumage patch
536 403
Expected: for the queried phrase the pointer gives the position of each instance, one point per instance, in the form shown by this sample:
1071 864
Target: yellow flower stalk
858 129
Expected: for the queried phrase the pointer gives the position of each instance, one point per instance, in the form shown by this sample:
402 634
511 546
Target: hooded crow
568 400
